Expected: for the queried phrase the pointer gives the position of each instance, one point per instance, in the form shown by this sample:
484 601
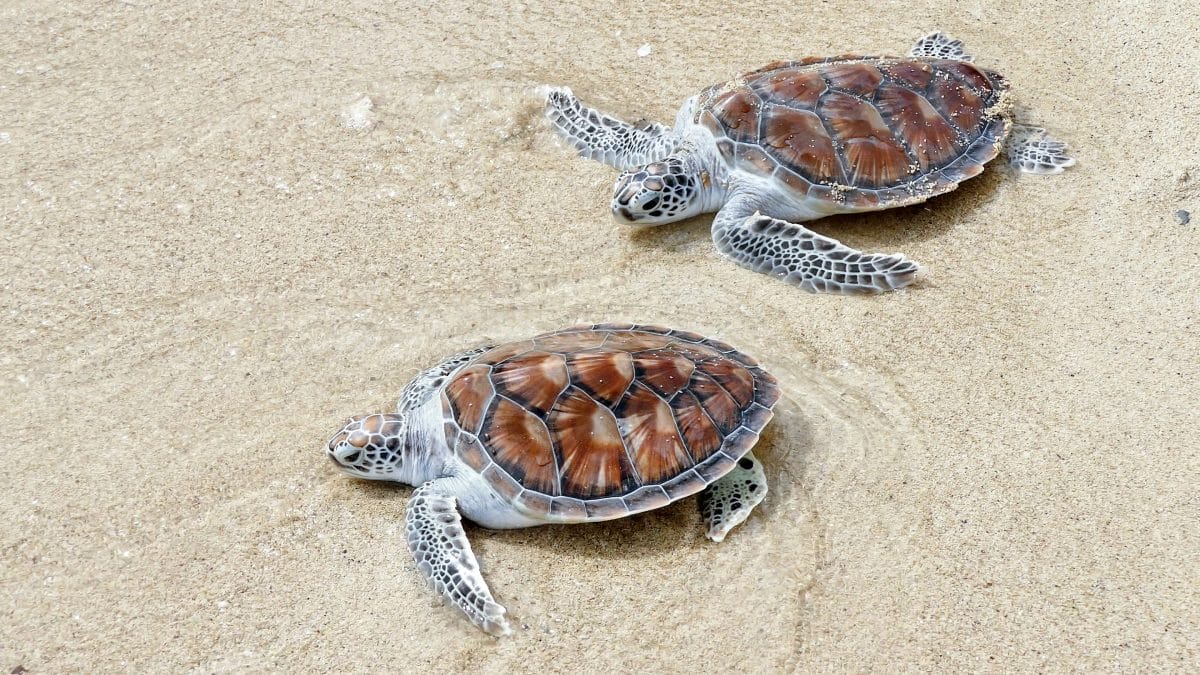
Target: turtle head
370 446
660 192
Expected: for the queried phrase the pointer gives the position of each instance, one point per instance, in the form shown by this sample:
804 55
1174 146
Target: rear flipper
729 501
1032 150
939 46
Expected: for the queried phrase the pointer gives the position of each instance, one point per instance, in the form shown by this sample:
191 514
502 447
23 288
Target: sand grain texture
225 229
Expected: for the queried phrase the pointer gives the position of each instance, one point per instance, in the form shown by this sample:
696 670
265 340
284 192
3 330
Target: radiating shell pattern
597 422
867 132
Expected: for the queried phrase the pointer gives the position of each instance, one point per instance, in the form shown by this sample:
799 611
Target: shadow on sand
874 232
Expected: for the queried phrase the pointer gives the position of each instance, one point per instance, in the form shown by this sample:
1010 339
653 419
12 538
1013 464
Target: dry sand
214 251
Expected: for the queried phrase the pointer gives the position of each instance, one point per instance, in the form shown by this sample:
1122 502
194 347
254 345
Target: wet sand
215 250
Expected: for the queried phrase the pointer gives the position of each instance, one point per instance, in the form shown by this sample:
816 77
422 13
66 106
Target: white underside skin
427 457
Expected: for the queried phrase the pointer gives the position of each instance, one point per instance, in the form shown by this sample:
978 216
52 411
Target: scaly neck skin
699 153
425 455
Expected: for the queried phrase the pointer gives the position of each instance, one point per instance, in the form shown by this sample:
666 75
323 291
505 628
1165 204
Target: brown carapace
598 422
863 130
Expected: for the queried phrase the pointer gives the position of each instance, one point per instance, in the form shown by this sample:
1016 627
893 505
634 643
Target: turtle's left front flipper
443 554
800 256
604 138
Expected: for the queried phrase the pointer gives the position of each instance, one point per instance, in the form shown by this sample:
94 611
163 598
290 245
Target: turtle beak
623 194
625 191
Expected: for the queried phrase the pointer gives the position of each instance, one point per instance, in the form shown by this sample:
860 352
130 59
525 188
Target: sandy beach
226 227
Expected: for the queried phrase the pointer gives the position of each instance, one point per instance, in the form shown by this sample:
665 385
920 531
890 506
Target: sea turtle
584 424
799 140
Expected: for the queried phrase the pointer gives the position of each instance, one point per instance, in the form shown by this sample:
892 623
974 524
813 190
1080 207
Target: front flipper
800 256
604 138
939 46
443 554
1032 150
729 501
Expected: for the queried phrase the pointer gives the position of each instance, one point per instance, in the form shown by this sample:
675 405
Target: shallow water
832 420
215 251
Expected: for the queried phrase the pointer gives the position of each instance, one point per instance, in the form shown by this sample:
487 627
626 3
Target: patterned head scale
660 192
369 446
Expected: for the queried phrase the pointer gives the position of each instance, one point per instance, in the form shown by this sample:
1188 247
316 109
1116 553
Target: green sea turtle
581 425
800 140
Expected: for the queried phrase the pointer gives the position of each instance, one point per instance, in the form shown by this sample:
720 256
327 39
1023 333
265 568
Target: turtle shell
866 132
599 422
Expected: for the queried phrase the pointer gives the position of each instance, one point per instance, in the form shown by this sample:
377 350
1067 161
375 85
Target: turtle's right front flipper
603 137
443 554
800 256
